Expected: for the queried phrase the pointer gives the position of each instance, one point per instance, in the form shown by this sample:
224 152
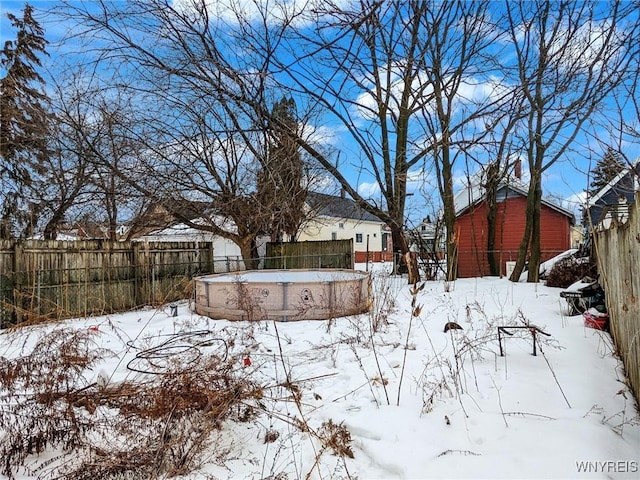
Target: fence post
18 271
141 272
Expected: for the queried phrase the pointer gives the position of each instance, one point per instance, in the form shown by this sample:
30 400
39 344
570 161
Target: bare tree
210 127
66 178
114 150
407 83
462 56
396 77
569 59
392 75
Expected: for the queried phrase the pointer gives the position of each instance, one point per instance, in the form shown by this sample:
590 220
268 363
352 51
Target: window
334 235
358 238
341 225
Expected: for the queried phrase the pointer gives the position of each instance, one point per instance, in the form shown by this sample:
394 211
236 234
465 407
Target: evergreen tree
280 181
23 119
610 165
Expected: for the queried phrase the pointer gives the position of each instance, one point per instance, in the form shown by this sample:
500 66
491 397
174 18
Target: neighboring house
612 202
77 231
339 218
471 226
427 237
180 232
577 236
330 218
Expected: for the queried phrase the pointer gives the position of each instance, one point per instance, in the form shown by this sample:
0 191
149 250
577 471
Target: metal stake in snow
532 329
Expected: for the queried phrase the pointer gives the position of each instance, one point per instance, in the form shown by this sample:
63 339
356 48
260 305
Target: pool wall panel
332 293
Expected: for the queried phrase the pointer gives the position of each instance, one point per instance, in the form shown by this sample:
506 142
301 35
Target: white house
222 247
427 237
331 218
339 218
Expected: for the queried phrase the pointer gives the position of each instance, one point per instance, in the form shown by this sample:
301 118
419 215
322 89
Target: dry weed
155 426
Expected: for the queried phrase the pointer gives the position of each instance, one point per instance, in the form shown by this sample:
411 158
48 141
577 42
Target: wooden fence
313 254
618 253
64 279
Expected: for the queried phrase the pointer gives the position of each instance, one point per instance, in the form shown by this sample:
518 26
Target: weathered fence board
63 279
312 254
618 253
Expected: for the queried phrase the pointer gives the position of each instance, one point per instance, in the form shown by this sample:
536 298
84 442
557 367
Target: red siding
361 257
471 231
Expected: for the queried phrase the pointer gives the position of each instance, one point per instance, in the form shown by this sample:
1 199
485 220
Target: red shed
471 228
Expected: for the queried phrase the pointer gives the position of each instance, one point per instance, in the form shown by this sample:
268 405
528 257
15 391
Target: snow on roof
475 192
181 231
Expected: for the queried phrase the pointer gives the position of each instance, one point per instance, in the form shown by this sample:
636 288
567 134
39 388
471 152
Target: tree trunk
249 252
526 238
445 186
401 246
51 229
492 214
534 244
494 266
450 225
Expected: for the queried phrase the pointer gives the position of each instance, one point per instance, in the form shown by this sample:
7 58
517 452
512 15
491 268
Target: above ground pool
284 295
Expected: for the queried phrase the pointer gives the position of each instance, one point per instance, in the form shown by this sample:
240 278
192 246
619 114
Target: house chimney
517 169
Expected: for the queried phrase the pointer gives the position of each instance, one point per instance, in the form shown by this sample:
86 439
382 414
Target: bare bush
336 437
39 392
570 270
154 426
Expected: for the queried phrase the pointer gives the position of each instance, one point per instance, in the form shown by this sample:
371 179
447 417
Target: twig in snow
499 401
463 452
415 312
553 373
525 414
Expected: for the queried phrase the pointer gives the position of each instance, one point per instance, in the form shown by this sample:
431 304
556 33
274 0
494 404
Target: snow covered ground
416 402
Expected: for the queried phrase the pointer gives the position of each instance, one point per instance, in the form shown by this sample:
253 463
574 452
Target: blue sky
567 179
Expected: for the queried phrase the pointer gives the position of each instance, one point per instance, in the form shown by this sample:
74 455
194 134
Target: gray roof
339 207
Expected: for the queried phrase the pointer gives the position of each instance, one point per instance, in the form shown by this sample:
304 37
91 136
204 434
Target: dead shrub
155 426
42 386
337 437
570 270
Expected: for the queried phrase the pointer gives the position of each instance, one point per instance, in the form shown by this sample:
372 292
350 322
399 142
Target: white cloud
416 180
577 200
369 189
324 184
319 135
470 91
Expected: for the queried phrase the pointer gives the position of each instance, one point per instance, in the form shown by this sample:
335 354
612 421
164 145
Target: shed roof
475 193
